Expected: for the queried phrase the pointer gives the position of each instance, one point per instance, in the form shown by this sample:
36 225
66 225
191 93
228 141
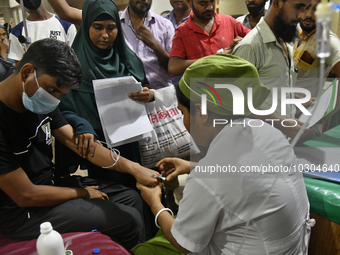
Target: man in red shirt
203 34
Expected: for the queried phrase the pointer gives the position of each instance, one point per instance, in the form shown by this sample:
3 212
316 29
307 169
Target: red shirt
192 42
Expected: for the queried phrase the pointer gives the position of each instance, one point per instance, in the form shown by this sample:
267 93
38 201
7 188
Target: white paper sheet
319 112
123 120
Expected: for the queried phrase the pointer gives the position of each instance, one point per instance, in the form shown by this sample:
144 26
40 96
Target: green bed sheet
324 196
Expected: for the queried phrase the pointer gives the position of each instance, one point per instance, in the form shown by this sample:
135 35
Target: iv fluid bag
323 26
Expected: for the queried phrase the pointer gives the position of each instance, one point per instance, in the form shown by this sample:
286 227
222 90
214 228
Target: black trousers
121 218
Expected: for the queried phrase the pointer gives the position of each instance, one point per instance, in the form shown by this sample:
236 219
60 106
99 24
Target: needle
159 176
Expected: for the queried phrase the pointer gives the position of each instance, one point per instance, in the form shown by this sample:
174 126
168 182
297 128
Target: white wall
235 7
158 6
228 6
13 3
232 7
5 10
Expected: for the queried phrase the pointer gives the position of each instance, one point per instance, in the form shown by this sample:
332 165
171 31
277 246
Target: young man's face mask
41 102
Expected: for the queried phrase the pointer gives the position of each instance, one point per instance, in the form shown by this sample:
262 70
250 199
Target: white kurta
215 207
50 28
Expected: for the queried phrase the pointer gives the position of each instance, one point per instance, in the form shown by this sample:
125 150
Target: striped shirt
261 48
171 16
163 31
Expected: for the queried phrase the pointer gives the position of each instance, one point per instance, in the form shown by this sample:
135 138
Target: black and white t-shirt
26 142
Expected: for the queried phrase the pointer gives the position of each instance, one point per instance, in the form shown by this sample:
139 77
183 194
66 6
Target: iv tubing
321 81
323 10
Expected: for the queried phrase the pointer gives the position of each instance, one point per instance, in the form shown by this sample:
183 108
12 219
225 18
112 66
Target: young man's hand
93 192
145 175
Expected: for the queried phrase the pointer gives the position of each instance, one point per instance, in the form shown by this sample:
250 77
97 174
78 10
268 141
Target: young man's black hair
57 61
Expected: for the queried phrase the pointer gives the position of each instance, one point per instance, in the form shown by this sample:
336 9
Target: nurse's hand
85 144
143 96
172 167
151 195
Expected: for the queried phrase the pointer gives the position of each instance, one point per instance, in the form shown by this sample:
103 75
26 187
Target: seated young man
29 192
226 207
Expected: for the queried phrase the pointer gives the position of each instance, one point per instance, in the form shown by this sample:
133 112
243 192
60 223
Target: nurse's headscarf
116 61
200 78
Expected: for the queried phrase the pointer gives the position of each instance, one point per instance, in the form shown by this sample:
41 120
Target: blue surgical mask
41 102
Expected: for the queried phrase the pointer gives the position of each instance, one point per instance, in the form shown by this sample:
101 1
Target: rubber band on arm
112 150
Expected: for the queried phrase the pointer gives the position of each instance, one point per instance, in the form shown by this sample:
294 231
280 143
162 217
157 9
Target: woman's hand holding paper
143 96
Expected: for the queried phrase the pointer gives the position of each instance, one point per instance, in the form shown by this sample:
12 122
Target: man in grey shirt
267 48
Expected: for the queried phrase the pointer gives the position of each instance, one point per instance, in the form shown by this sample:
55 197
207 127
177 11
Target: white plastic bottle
49 241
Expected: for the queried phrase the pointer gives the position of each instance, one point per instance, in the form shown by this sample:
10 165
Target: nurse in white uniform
243 196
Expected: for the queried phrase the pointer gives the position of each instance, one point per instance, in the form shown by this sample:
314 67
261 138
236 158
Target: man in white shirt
40 24
268 48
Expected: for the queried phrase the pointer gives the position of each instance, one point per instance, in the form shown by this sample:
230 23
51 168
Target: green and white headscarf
117 61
